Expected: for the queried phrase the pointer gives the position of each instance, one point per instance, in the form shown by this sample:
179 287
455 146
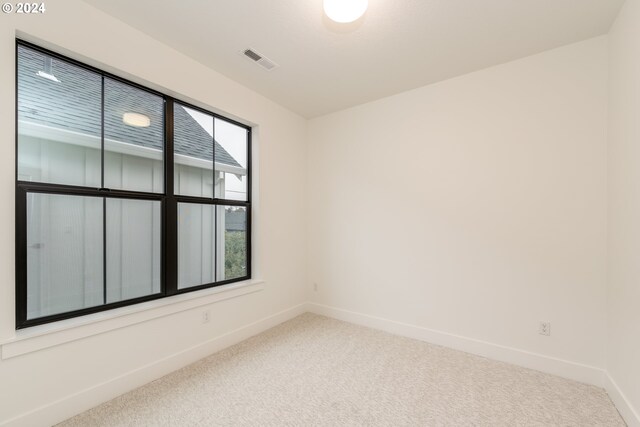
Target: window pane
231 160
232 242
133 248
59 121
196 244
193 157
134 138
64 253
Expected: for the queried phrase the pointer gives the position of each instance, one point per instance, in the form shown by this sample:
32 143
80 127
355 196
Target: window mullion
249 199
171 205
104 200
102 133
215 210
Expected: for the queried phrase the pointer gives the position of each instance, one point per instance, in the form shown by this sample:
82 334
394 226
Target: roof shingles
74 104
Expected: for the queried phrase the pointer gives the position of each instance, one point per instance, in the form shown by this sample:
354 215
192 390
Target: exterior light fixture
344 11
136 119
47 73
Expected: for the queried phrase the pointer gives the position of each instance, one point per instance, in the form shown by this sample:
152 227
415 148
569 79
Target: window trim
168 199
51 334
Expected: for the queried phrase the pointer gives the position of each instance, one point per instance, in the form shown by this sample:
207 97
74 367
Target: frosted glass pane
133 248
134 138
59 121
64 253
232 242
231 160
196 244
193 158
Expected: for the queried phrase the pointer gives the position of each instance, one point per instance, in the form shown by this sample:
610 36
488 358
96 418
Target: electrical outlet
205 316
315 287
545 328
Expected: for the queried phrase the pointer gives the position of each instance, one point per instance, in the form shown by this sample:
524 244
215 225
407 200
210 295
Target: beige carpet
315 371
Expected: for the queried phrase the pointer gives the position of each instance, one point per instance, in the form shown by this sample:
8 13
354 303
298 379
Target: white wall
623 344
77 373
475 206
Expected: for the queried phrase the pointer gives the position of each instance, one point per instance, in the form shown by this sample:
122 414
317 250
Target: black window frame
168 199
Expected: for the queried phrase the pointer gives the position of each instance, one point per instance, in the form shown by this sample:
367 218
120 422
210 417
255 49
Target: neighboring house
60 134
235 220
68 112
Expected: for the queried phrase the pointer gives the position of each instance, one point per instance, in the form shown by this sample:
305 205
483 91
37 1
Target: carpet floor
316 371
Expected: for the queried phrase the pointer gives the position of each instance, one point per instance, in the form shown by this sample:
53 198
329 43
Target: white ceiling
398 44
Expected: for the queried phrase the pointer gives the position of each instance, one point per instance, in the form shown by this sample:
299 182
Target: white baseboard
76 403
563 368
630 415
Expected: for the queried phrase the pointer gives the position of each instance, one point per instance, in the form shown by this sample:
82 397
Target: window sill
40 337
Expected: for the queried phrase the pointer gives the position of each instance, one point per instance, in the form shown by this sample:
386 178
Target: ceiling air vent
259 59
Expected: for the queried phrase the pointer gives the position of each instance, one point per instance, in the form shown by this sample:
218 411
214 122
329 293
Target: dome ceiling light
344 11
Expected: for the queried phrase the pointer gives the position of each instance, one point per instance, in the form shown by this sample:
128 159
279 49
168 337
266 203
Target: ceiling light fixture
344 11
136 119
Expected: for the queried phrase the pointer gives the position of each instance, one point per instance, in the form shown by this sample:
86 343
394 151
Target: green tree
235 261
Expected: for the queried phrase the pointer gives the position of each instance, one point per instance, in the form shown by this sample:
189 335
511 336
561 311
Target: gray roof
74 104
235 220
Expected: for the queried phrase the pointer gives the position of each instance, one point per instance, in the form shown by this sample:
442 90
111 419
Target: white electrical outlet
315 287
205 316
545 328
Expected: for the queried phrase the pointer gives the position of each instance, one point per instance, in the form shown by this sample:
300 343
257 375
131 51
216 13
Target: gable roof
74 104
